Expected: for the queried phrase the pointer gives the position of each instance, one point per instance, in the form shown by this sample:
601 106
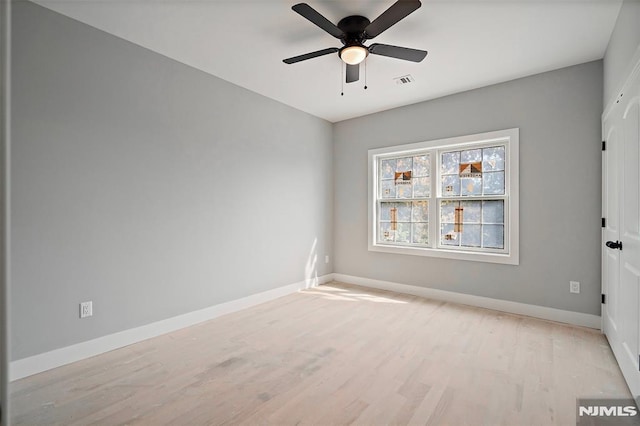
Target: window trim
510 256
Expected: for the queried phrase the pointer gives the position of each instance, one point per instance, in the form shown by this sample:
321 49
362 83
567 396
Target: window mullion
434 220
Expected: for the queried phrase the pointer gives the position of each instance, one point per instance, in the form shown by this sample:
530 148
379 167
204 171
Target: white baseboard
559 315
46 361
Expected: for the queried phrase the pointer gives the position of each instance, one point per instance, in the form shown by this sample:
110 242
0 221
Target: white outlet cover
86 309
574 287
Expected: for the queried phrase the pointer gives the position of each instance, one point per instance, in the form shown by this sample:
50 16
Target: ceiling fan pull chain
342 78
365 73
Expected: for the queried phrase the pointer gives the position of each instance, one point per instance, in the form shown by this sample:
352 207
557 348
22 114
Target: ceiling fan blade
391 16
310 55
405 53
353 73
314 16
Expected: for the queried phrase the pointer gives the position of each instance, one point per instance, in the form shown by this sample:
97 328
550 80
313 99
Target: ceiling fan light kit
354 30
353 55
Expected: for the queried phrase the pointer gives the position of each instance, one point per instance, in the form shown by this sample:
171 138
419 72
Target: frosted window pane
447 211
493 183
420 211
420 233
388 189
470 211
404 212
386 234
493 236
387 169
471 186
493 211
421 165
385 211
404 191
421 187
450 186
404 164
471 156
403 234
447 235
471 236
450 163
493 159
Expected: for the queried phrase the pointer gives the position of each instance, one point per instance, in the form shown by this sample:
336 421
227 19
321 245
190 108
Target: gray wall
149 187
624 41
5 96
558 114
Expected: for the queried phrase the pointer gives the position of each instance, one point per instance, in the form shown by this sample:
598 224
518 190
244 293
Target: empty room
361 212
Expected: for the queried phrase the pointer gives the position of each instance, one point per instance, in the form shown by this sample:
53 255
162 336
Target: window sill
503 258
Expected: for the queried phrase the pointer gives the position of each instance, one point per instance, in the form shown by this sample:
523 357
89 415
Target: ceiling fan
354 30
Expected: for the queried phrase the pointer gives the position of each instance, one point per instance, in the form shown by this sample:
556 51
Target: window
453 198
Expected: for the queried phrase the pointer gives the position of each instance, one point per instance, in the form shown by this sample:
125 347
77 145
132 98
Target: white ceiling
471 44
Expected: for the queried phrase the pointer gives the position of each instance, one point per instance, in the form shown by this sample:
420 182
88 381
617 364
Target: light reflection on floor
340 294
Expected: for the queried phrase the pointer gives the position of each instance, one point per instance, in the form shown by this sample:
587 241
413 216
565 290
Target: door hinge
604 222
604 145
604 298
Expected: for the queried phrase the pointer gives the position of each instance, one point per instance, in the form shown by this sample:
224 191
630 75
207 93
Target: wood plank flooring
337 354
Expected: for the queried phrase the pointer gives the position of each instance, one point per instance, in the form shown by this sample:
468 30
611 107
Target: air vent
405 79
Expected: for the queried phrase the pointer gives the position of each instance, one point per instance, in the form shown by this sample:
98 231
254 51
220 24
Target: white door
611 231
621 235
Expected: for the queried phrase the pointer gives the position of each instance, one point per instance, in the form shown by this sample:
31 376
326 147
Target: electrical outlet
86 309
574 287
326 259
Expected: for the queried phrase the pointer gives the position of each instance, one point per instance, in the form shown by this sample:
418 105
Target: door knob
614 245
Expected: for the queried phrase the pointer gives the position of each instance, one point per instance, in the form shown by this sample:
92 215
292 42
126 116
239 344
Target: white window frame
509 255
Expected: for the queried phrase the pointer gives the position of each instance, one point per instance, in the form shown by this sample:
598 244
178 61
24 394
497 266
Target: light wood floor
337 354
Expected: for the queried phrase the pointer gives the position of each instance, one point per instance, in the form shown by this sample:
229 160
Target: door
621 234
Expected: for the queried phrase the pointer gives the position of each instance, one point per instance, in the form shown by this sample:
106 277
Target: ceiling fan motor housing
353 28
